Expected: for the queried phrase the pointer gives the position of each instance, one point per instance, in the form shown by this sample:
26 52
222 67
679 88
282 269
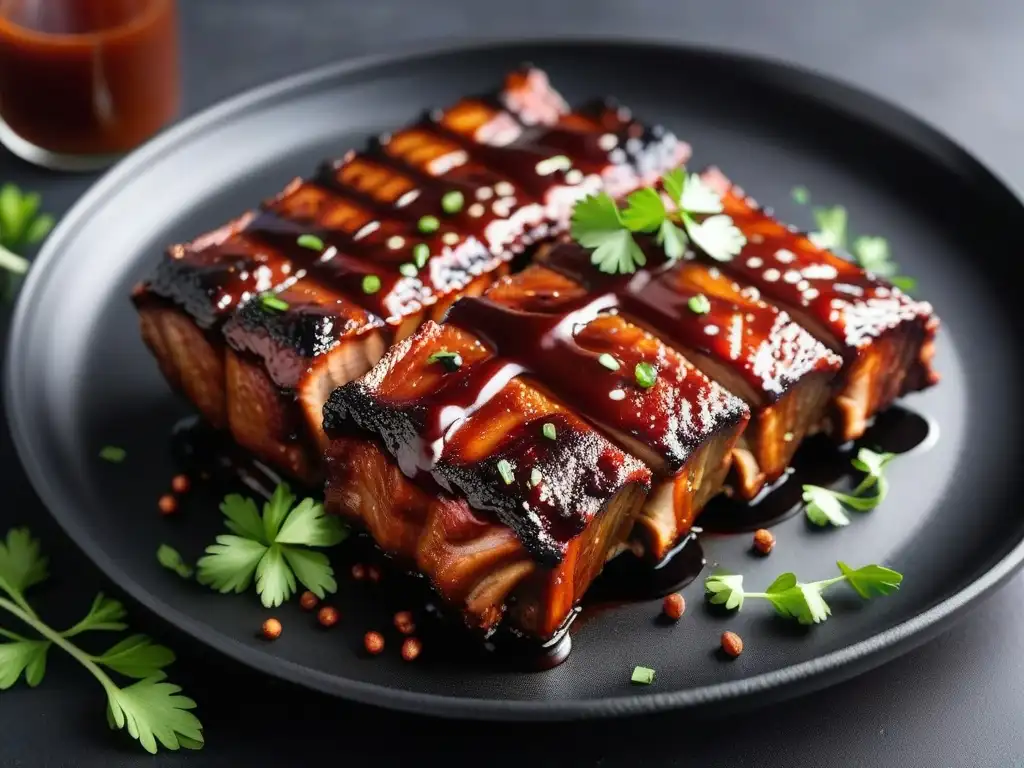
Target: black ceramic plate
79 378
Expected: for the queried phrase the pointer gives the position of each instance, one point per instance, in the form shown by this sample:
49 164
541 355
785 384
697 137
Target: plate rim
853 101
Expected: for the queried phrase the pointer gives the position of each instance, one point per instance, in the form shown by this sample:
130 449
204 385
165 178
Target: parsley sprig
695 216
274 547
21 225
804 602
825 506
871 252
150 709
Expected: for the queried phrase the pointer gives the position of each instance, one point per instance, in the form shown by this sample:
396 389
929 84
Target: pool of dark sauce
209 455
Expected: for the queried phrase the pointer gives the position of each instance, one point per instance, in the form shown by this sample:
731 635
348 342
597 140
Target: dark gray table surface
958 701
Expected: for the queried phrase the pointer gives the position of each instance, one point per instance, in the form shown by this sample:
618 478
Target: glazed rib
683 426
449 470
264 370
744 344
886 338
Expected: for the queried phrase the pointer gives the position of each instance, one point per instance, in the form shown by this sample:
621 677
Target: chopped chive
505 470
535 477
801 195
452 202
270 301
643 675
311 241
452 361
420 254
428 224
549 430
113 454
371 284
646 374
699 304
608 362
408 270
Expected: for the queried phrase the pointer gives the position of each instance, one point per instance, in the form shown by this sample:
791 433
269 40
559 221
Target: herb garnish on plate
803 601
695 215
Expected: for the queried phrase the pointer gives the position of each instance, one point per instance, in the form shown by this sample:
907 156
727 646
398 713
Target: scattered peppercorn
373 573
328 616
180 484
764 541
732 644
674 606
358 572
374 642
271 629
404 622
308 601
411 648
168 504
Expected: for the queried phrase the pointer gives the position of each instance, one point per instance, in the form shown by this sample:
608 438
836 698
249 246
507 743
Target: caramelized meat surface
885 337
472 437
371 246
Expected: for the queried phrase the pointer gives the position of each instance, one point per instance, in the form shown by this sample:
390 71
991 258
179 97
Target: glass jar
84 81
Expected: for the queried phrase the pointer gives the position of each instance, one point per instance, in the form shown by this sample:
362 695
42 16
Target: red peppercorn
373 573
404 622
308 601
168 504
180 484
328 616
764 541
374 642
411 648
358 572
732 644
674 606
271 629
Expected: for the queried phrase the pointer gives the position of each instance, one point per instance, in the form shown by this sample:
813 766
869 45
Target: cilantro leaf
644 211
872 253
831 223
672 239
275 581
137 657
312 569
39 229
823 508
308 525
698 197
596 224
21 564
782 583
243 517
228 565
152 712
171 559
673 182
904 283
26 657
717 236
276 509
725 589
104 614
871 580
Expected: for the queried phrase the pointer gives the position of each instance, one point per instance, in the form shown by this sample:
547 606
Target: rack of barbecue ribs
446 421
256 322
496 412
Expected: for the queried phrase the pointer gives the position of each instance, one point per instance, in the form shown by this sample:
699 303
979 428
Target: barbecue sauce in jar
82 81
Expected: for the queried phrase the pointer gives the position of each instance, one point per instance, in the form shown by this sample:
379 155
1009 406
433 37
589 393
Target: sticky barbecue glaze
520 158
